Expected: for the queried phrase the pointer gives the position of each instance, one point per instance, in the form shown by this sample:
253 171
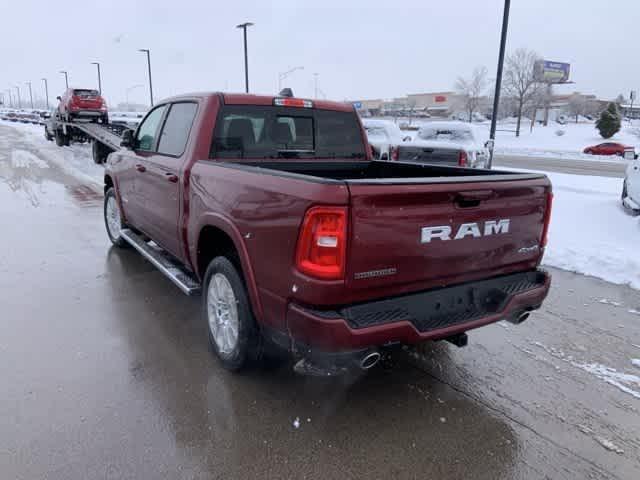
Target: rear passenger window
175 133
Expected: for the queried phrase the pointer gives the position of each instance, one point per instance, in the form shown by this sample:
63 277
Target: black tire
98 152
60 138
105 119
116 239
249 346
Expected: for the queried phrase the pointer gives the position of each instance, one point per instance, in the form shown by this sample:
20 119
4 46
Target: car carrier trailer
104 137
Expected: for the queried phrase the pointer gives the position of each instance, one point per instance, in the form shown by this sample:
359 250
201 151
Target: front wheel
232 330
113 219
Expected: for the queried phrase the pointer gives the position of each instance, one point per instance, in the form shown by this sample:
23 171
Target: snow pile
590 233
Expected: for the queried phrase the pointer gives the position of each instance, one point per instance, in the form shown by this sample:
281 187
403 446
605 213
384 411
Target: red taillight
462 159
395 153
322 243
547 219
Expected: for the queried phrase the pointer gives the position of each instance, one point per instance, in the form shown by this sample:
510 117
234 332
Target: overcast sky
360 49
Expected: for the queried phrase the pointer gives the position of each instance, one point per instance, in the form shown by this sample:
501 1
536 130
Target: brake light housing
462 158
322 243
547 220
292 102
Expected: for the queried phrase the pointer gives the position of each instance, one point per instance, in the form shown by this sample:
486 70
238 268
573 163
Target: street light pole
97 64
66 78
315 85
30 93
496 95
283 75
146 50
46 91
127 93
18 90
10 97
244 26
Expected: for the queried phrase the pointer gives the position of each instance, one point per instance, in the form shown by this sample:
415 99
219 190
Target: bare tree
471 89
577 106
520 82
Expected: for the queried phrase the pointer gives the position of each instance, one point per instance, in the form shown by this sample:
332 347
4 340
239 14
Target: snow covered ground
545 142
590 233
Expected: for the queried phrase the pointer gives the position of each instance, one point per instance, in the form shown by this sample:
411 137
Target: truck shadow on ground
275 423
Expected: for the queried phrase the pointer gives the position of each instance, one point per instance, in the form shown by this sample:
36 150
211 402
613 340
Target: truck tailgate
424 235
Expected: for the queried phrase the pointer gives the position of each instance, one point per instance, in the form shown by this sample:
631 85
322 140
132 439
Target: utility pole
46 92
66 78
8 90
496 95
146 50
97 64
315 85
244 26
18 90
30 93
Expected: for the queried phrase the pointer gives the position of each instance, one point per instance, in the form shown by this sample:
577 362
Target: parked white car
631 188
464 136
384 136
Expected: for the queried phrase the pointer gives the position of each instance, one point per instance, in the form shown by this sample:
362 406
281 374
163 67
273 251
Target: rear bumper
87 113
414 318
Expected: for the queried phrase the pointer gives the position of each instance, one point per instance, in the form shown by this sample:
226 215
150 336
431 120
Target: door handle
171 177
141 168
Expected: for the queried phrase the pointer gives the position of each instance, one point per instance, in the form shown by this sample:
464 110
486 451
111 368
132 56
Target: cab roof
251 99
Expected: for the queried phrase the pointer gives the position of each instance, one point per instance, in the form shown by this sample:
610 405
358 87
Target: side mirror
127 139
58 98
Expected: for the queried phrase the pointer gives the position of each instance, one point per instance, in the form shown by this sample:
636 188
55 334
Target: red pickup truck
273 210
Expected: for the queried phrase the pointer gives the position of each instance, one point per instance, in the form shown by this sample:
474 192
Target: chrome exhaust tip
519 318
370 360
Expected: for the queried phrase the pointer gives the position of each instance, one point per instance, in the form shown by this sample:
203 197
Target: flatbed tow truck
104 137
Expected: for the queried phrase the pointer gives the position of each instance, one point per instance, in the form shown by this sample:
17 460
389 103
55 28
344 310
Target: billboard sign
551 72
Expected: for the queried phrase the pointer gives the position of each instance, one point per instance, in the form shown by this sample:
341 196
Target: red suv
82 103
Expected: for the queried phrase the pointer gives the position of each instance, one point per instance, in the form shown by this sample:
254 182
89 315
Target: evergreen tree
609 122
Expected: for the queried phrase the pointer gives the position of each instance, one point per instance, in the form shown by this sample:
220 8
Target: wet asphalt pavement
600 167
106 374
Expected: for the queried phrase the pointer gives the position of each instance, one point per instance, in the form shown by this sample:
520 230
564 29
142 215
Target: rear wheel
99 152
232 329
113 219
61 139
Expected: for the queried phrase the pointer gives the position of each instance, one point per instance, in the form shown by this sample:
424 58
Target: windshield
439 133
85 93
254 131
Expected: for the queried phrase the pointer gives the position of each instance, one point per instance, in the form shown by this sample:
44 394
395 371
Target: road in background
560 165
106 373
